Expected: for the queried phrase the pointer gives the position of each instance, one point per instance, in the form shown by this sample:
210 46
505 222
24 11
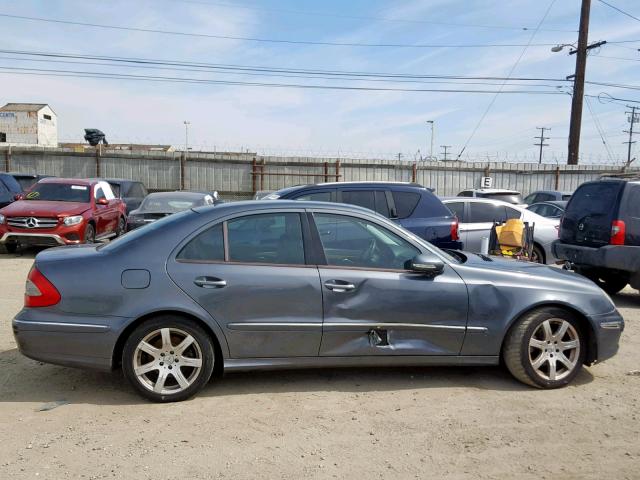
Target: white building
23 124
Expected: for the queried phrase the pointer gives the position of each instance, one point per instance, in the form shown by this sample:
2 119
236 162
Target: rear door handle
339 286
210 282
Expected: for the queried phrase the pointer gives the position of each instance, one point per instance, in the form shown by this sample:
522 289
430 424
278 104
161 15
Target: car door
102 213
372 304
478 224
250 273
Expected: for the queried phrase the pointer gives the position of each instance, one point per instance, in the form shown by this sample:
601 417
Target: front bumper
68 340
60 235
608 329
615 257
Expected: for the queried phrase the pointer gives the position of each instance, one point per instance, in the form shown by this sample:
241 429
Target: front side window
206 246
274 238
354 242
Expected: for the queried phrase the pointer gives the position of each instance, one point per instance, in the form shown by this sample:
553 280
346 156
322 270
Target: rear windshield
594 199
26 182
169 204
59 192
514 198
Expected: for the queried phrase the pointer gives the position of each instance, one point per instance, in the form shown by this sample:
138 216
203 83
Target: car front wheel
545 348
168 359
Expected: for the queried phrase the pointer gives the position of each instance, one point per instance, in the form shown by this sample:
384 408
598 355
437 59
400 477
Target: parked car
162 204
260 194
9 189
411 205
476 217
547 196
27 180
509 196
58 211
551 209
600 233
223 288
130 191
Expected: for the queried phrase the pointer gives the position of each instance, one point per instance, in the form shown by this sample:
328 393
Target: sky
304 121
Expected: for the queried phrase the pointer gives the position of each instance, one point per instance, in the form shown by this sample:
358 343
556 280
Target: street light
432 122
560 47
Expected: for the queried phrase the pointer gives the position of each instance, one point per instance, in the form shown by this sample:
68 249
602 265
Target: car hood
527 274
43 208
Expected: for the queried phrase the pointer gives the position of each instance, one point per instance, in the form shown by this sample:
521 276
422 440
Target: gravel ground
376 423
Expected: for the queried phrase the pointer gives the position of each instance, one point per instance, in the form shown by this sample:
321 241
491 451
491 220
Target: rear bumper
83 342
615 257
608 329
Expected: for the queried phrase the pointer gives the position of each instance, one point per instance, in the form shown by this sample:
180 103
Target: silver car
476 217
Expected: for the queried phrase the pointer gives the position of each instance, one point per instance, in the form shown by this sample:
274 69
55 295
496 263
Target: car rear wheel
122 227
168 359
90 234
537 255
545 348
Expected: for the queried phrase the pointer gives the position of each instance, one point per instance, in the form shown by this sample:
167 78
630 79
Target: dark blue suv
9 188
411 205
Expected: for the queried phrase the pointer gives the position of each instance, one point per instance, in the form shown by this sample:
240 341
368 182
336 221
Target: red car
59 211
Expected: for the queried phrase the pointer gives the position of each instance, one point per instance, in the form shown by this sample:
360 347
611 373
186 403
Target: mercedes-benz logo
581 226
31 222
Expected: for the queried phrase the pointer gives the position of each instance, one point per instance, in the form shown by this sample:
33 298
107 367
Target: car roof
25 175
280 204
178 194
75 181
491 190
557 203
480 200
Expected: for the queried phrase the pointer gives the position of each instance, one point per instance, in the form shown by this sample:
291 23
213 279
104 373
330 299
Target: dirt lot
379 423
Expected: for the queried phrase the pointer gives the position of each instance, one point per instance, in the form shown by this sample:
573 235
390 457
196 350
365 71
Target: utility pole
432 131
633 118
542 139
186 136
444 154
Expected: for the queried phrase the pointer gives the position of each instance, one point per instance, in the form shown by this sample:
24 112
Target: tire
152 350
90 234
11 247
533 346
610 282
122 227
537 256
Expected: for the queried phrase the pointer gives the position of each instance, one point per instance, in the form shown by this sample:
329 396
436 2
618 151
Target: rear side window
486 213
405 203
632 204
315 197
136 190
466 193
457 208
207 246
381 203
274 238
512 213
362 198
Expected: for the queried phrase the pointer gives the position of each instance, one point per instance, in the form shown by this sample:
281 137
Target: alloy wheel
554 349
167 361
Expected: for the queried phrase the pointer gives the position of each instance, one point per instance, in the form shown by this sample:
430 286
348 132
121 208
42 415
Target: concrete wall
231 173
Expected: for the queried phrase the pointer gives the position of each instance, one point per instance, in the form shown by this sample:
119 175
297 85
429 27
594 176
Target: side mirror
102 201
427 264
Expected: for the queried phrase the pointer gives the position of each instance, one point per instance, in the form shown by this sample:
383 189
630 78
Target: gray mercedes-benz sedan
288 284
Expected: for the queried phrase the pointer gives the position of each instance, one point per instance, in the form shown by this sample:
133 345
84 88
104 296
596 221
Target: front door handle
339 286
210 282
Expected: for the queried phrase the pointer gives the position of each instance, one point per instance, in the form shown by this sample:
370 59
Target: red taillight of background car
618 232
454 231
40 292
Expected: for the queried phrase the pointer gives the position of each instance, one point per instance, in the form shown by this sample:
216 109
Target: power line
599 129
276 75
366 17
620 10
122 76
515 65
614 85
252 68
265 40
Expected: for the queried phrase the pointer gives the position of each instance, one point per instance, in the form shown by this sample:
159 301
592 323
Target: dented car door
373 305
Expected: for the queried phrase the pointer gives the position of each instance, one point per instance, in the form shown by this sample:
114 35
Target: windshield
514 198
59 192
169 204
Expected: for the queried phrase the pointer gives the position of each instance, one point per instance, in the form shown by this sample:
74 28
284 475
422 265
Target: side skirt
247 364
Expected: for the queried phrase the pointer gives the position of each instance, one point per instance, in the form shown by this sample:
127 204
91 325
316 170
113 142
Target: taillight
454 231
618 232
39 292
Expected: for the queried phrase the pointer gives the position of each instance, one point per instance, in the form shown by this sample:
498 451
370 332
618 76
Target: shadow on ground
24 380
627 299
